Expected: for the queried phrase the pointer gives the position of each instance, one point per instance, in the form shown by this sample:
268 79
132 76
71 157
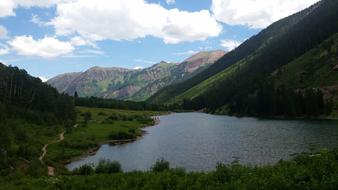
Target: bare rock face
202 59
121 83
61 82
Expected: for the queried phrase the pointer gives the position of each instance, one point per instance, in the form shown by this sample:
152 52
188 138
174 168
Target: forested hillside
237 86
31 113
241 53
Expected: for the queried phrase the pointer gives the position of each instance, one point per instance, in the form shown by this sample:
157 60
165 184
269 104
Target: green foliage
104 167
105 125
28 98
116 104
305 171
31 115
86 117
84 170
121 135
108 167
160 166
36 169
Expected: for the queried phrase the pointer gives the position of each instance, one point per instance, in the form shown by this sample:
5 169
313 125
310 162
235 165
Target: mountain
61 82
129 84
237 77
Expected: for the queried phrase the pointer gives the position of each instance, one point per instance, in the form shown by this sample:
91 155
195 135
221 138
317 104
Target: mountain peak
201 59
212 56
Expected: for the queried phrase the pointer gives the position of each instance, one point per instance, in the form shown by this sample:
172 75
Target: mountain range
132 84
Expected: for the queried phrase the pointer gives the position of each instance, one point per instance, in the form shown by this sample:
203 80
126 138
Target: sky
51 37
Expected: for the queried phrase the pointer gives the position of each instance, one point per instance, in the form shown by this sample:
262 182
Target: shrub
86 116
101 114
36 169
160 166
108 167
84 170
121 135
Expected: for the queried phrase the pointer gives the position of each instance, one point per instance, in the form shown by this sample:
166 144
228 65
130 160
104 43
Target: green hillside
248 48
236 87
316 68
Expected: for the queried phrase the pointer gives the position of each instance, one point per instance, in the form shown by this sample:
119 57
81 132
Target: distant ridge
132 84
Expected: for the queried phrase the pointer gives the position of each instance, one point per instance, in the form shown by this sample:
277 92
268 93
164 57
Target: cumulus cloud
170 2
256 13
7 7
48 47
230 44
132 19
189 52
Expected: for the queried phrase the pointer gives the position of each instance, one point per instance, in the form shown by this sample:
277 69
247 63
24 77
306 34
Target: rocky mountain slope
129 84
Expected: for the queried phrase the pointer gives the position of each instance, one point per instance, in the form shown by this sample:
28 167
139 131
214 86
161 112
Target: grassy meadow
94 127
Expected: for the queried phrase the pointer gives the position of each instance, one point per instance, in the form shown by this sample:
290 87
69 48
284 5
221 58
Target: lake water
198 141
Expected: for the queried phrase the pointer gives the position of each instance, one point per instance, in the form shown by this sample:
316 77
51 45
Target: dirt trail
44 152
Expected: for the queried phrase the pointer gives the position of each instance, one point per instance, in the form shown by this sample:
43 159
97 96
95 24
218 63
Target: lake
198 141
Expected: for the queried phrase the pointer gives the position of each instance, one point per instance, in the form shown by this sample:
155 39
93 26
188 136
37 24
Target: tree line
116 104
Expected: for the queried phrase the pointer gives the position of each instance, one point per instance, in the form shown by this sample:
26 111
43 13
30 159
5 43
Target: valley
249 99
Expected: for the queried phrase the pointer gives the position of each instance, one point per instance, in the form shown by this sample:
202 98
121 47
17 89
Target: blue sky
50 37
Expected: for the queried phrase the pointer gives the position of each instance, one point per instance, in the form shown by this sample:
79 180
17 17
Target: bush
36 169
101 114
160 166
86 116
121 135
84 170
108 167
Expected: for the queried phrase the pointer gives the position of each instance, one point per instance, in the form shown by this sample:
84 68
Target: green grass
206 85
123 124
313 69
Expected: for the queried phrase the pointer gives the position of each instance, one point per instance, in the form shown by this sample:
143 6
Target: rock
335 68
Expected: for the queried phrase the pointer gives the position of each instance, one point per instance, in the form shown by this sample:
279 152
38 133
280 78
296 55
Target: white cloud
7 7
190 52
4 51
47 47
138 68
256 13
3 32
132 19
43 79
170 2
79 41
37 20
230 44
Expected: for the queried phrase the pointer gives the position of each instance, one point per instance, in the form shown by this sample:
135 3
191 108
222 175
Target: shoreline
93 151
